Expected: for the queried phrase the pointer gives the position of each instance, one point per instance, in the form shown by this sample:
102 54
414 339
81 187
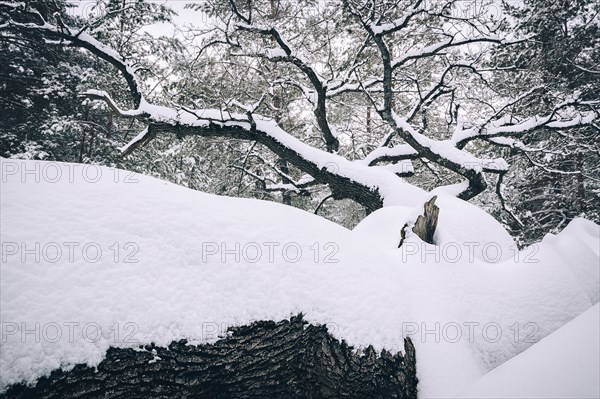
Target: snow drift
559 366
94 257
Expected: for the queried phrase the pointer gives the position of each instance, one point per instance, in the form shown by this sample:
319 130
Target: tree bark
580 184
427 222
289 359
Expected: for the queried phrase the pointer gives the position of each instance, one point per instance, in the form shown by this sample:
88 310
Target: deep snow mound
94 257
463 231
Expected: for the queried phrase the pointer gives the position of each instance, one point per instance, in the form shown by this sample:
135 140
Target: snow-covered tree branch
393 42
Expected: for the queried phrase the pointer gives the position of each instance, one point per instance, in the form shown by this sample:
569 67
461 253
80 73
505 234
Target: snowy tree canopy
375 91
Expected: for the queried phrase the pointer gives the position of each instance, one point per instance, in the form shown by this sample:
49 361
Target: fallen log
288 359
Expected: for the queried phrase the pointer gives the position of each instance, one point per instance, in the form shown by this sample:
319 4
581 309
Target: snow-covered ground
94 257
561 365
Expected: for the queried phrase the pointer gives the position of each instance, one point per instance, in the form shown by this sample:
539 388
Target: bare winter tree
423 69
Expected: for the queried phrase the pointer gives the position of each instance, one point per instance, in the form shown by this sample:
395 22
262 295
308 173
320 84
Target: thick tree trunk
580 184
289 359
284 167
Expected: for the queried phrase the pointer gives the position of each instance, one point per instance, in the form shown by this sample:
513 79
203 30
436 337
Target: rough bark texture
427 222
289 359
